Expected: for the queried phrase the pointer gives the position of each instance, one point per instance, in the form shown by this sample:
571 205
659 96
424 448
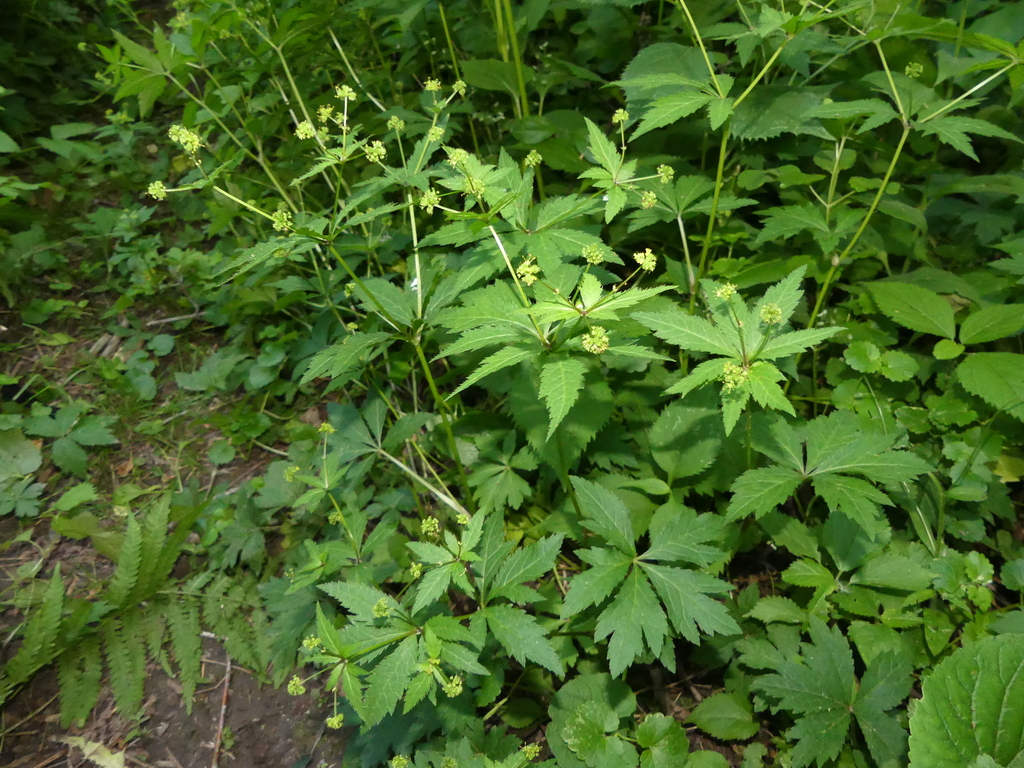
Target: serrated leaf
997 378
388 681
605 514
478 338
685 594
953 130
759 491
670 109
339 359
786 344
972 704
604 151
991 323
528 563
689 332
522 637
915 308
501 359
560 383
855 498
608 567
632 617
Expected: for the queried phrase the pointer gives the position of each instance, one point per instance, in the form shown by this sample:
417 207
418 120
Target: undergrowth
637 346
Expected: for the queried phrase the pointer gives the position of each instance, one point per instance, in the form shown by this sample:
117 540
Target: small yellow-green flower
528 271
396 124
733 376
462 518
429 200
531 751
324 113
459 87
646 259
620 116
430 527
596 340
381 609
648 200
449 762
311 642
399 761
456 157
453 687
281 220
188 140
345 93
415 571
296 686
336 721
326 429
726 292
305 130
375 152
157 190
432 85
533 159
771 314
666 173
289 474
435 133
594 254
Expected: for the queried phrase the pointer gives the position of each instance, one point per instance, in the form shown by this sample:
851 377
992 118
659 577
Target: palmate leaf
527 564
791 343
522 637
604 151
635 615
686 595
608 567
338 360
759 491
389 679
560 384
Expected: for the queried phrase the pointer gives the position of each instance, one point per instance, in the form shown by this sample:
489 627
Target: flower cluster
533 159
335 722
157 190
305 130
528 271
376 152
429 200
430 527
666 173
281 219
726 292
734 376
771 314
594 254
596 340
646 259
452 687
620 116
381 609
295 686
188 140
345 93
648 200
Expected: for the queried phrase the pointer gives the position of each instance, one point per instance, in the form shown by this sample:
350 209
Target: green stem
723 149
442 410
703 50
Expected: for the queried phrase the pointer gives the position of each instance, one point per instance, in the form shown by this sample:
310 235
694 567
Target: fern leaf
126 576
154 535
39 640
79 673
187 646
126 661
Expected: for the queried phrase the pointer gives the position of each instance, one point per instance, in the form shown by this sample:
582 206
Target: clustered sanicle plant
712 377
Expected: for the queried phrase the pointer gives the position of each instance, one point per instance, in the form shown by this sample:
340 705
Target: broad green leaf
434 583
726 716
503 358
689 332
670 109
478 338
763 387
685 594
809 573
18 455
759 491
605 514
706 372
915 308
719 111
992 323
997 378
522 637
560 383
634 616
675 538
972 704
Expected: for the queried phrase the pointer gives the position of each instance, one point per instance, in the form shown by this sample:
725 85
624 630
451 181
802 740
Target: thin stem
703 50
713 215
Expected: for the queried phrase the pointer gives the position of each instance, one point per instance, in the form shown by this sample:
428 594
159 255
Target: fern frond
38 647
127 574
79 672
126 661
154 536
187 646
